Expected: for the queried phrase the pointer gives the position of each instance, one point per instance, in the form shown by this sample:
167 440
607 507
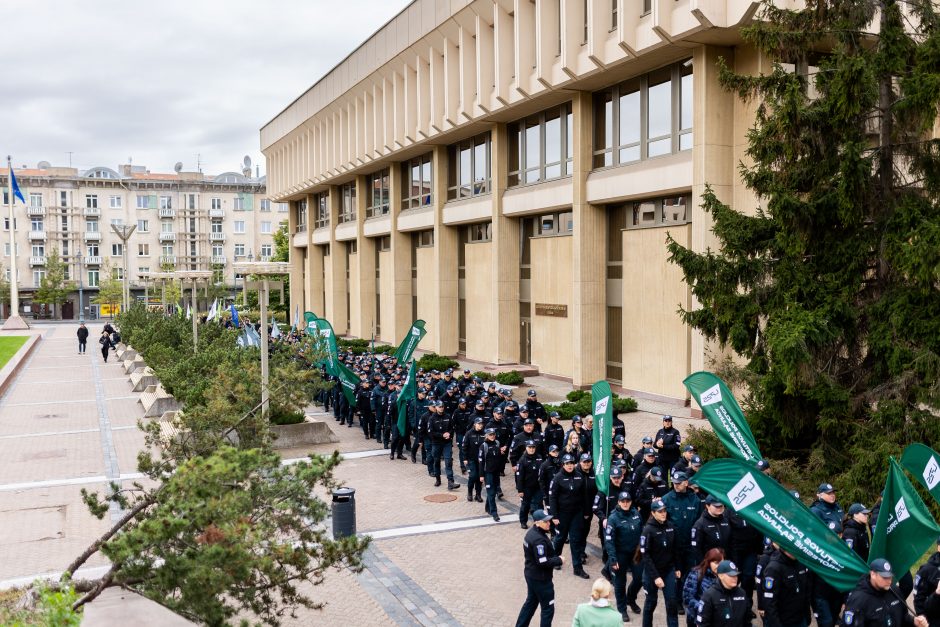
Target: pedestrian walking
876 600
660 566
622 531
725 604
82 334
105 341
540 564
598 612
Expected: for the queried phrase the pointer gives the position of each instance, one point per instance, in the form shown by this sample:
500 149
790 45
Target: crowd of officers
658 531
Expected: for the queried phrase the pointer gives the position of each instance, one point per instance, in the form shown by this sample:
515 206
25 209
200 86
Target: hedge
582 405
511 377
433 361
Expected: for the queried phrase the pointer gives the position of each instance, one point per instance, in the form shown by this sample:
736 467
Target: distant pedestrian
598 612
105 341
82 334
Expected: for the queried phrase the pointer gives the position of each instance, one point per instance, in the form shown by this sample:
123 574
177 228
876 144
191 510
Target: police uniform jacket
617 427
672 440
925 585
438 425
855 535
745 539
550 467
481 413
832 514
681 466
461 419
786 592
711 532
471 443
379 396
517 448
503 429
451 400
540 558
684 509
724 608
527 476
646 493
417 410
364 400
567 493
622 535
605 505
621 452
489 456
658 548
762 561
869 607
642 469
554 434
590 488
536 412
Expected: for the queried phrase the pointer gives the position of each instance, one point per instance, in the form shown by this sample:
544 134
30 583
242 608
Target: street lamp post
124 231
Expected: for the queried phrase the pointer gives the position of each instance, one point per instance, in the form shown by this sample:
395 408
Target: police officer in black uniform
855 530
554 433
660 567
567 498
470 446
549 469
622 533
521 439
527 482
489 459
927 589
725 604
711 530
786 591
668 442
441 427
540 562
877 601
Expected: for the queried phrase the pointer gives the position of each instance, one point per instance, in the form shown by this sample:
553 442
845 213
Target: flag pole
14 321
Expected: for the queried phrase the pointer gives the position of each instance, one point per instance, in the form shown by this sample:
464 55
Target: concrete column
445 256
505 248
589 299
364 300
313 285
399 319
336 311
713 162
298 276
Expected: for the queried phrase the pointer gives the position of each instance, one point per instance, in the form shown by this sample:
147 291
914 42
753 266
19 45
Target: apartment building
183 220
508 170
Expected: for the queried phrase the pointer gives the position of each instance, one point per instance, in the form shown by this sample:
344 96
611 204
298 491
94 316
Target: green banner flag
602 433
347 378
408 345
773 511
905 527
409 391
310 322
924 463
724 414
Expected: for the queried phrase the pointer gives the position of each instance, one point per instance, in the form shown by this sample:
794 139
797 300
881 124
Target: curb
9 372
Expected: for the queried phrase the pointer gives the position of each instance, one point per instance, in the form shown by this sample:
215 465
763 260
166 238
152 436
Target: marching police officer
554 433
873 602
527 481
725 604
827 600
520 441
711 530
471 449
653 487
667 442
660 569
621 539
927 589
567 498
786 592
549 469
540 562
441 427
684 510
489 459
855 530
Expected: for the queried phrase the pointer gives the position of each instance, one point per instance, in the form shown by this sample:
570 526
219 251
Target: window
38 276
217 250
166 202
144 269
117 250
167 250
190 201
423 239
301 216
347 212
35 200
215 226
644 117
6 250
480 232
540 146
613 13
265 227
321 205
239 226
468 171
93 278
216 203
238 203
117 273
117 221
282 207
6 224
265 204
266 251
383 244
38 250
63 198
145 201
91 201
92 250
657 212
377 188
143 226
36 224
166 226
143 250
239 250
91 226
561 223
416 183
647 6
116 202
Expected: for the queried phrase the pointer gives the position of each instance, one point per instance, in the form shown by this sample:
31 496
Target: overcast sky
161 81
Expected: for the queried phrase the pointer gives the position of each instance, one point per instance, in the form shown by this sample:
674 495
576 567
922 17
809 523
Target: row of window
143 226
143 250
241 202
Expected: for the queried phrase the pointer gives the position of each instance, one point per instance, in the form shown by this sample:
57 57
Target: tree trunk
91 550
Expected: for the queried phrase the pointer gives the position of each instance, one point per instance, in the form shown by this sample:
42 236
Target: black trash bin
344 512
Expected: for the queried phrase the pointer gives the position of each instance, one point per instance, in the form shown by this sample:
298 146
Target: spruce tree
828 290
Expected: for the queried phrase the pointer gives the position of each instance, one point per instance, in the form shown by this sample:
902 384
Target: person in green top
598 612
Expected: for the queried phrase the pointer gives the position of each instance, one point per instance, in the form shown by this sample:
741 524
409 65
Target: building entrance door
68 310
525 341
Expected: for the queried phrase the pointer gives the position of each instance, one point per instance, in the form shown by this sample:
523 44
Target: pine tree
830 292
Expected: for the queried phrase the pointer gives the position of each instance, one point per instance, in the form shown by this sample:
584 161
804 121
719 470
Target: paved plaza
69 421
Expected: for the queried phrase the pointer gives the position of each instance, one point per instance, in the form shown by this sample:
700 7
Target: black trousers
538 593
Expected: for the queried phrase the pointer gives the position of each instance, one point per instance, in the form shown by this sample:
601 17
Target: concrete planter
304 433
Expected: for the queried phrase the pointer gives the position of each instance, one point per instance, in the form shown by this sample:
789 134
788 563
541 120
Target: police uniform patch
916 581
832 525
768 583
850 542
642 540
540 549
848 618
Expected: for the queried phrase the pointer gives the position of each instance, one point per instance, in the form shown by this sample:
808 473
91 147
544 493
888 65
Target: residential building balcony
35 211
92 236
219 261
37 261
164 259
216 213
216 237
93 261
265 258
91 211
37 235
168 213
167 237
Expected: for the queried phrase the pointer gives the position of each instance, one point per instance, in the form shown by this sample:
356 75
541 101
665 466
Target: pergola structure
194 277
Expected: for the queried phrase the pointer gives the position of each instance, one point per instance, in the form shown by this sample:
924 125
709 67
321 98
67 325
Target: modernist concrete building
508 170
184 220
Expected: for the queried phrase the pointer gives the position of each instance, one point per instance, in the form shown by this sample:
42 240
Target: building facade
509 170
183 220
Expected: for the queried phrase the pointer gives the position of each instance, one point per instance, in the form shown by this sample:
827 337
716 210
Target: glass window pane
629 155
602 121
661 147
480 165
465 164
532 147
553 140
685 88
553 171
426 183
569 131
630 118
685 142
660 109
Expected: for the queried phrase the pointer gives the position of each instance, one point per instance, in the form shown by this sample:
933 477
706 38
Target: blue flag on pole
234 316
15 188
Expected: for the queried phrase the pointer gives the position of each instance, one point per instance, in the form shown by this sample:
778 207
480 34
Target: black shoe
470 498
437 481
414 460
500 496
523 525
399 456
681 611
634 607
625 616
392 456
496 517
558 567
478 498
579 572
605 573
452 486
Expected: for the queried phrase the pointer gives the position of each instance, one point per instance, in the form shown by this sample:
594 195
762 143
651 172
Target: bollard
344 512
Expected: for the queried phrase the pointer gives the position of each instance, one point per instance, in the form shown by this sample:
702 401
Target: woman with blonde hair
598 612
573 445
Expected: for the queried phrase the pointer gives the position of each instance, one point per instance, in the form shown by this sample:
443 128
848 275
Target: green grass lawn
9 345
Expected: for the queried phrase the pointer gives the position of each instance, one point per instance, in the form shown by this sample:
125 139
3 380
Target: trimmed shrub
582 407
433 361
576 395
286 418
510 378
484 376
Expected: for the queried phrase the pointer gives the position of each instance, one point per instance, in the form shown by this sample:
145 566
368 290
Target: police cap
567 459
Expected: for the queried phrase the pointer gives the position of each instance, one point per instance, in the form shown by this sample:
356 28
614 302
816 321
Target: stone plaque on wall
555 311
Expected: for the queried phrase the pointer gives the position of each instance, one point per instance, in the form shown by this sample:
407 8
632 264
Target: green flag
408 345
773 511
924 463
347 378
905 527
310 322
409 391
602 433
724 414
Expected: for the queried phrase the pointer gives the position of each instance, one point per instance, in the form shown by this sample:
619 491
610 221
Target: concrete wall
551 284
478 286
427 303
387 298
